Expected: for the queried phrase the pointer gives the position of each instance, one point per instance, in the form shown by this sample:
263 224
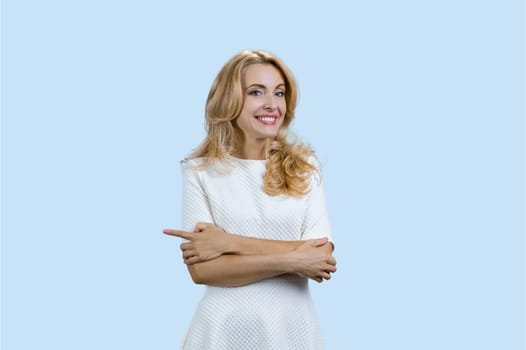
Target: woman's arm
312 259
209 241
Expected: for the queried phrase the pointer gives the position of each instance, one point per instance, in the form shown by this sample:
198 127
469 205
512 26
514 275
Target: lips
267 119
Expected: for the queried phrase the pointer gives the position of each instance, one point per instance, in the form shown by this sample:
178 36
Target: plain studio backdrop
415 109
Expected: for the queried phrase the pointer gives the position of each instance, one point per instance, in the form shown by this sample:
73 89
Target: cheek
282 119
282 106
242 122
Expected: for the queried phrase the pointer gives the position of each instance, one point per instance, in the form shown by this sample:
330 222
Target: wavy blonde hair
288 168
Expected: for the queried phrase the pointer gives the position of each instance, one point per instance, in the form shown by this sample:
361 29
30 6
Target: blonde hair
288 164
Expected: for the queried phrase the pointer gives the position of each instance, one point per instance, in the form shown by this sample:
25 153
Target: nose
270 103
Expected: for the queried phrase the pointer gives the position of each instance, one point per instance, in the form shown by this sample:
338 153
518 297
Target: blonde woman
255 224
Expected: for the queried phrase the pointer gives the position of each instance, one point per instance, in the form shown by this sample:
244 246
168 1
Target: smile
267 119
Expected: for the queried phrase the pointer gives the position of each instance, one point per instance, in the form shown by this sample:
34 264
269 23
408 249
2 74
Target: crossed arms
215 257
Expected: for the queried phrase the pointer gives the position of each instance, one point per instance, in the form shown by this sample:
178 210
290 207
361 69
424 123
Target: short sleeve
195 204
316 222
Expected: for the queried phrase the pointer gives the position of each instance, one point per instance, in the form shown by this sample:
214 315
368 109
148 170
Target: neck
255 149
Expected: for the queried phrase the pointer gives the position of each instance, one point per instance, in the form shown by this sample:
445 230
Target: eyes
260 93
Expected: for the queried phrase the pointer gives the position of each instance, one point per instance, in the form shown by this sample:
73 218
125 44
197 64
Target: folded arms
215 257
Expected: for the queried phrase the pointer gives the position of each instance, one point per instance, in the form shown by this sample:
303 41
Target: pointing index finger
178 233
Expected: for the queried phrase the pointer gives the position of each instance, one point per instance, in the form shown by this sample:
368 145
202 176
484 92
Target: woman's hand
207 242
313 260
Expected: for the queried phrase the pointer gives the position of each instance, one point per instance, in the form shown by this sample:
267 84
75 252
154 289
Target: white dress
276 313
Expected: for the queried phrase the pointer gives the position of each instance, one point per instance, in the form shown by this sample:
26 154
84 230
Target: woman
254 222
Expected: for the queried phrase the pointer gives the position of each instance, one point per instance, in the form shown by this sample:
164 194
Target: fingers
192 260
178 233
189 253
322 276
330 268
331 261
186 246
318 242
201 226
190 256
326 276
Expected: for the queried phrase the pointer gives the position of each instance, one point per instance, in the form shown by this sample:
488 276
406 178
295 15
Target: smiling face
264 105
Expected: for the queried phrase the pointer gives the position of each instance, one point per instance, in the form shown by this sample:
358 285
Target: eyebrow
264 87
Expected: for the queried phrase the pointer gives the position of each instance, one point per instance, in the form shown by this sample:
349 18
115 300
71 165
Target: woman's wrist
290 262
231 243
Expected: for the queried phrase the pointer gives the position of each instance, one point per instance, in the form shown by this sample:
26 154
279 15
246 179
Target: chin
270 135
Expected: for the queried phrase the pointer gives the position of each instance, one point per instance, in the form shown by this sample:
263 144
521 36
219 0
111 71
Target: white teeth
267 119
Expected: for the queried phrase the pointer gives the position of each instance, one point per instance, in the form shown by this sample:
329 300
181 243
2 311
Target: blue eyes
259 93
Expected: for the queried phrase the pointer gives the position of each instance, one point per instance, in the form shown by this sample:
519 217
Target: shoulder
192 163
192 168
313 160
315 178
203 166
316 165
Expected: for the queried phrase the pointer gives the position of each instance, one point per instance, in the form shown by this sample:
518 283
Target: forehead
264 74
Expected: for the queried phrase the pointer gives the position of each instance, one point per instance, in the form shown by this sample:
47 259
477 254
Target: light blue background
415 108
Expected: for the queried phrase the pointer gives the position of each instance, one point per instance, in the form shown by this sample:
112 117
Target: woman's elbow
196 272
201 273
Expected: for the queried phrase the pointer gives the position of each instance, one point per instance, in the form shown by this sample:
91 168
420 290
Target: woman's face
264 105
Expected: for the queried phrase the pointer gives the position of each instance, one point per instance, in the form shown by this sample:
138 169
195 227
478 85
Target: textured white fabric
276 313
